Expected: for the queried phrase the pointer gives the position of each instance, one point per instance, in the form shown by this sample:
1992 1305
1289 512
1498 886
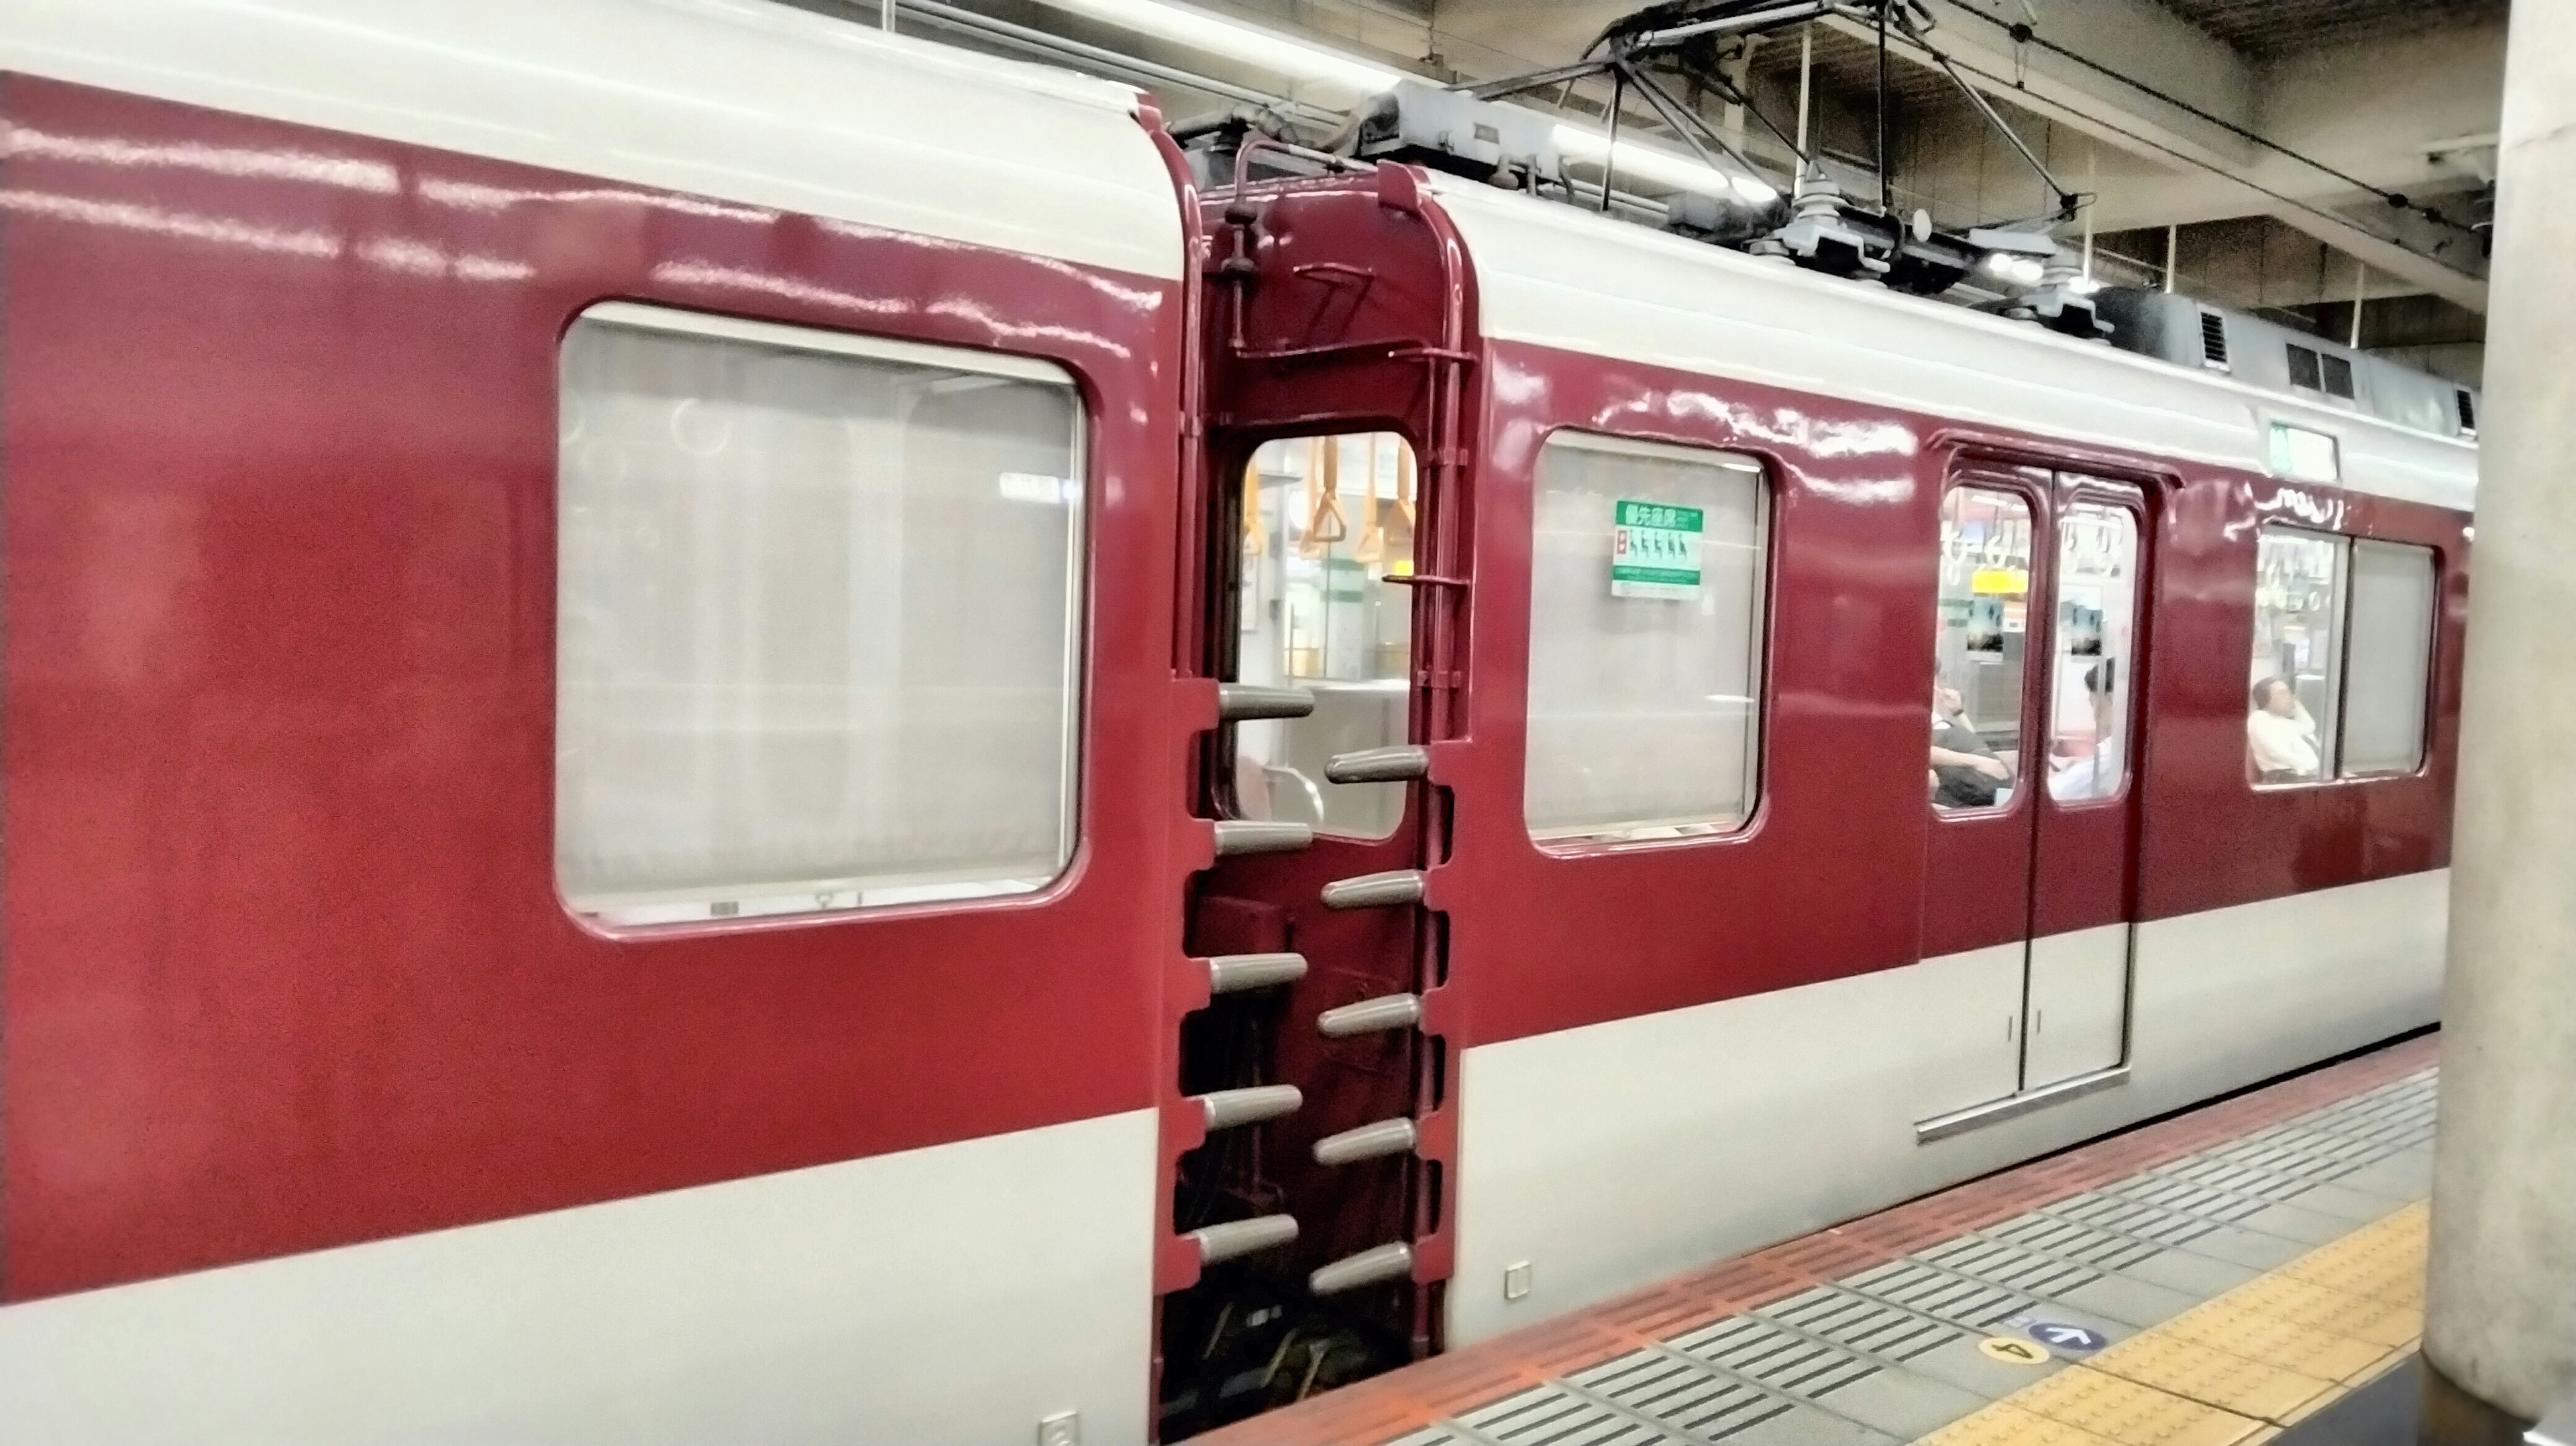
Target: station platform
2219 1277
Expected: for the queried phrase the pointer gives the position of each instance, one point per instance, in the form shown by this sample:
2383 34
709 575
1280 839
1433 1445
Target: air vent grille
2213 340
2468 412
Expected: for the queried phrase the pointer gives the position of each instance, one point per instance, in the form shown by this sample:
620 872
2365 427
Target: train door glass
2088 691
1327 532
1977 669
2076 985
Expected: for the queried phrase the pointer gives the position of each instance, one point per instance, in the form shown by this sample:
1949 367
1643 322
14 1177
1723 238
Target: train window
818 620
1327 531
1978 650
2388 658
1646 588
2298 658
2097 608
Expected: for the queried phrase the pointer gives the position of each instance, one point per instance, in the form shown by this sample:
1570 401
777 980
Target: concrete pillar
2500 1324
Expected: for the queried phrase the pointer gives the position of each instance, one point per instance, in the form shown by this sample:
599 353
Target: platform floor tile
2122 1410
2245 1265
2213 1377
2258 1357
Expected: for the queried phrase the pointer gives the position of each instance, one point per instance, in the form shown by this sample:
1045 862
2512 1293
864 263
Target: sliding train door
2033 718
2075 997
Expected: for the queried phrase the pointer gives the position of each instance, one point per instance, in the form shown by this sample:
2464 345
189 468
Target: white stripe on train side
953 1294
1613 1155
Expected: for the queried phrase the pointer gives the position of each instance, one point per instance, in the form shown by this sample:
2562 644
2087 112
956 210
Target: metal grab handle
1368 1142
1370 1016
1233 973
1383 1262
1244 702
1249 1105
1375 891
1237 836
1400 764
1242 1237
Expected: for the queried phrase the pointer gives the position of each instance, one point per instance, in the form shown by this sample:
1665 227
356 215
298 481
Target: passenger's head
2273 695
2099 684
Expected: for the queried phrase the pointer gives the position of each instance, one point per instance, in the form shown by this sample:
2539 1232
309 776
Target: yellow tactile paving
2297 1348
2384 1261
2232 1371
2213 1377
2006 1425
2129 1413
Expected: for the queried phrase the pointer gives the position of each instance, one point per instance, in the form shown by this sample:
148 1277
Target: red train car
717 728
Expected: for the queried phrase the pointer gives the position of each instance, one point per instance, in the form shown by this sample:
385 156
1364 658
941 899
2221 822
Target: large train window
818 625
2343 651
1646 586
2297 672
1327 536
2388 665
1978 650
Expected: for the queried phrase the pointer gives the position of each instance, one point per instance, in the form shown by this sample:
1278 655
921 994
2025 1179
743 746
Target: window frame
2329 730
1224 611
2432 665
797 337
2129 506
1765 470
2043 572
2330 772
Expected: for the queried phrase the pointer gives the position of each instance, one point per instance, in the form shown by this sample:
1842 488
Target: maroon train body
308 1068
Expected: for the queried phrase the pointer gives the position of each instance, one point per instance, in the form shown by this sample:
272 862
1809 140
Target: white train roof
1567 278
743 100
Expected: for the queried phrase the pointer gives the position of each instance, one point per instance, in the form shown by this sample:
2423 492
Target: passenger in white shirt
2097 774
2280 737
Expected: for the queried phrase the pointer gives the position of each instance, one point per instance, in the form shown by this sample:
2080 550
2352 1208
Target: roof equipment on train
2015 270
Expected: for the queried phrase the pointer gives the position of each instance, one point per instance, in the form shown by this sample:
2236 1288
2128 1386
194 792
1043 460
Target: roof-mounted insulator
2060 301
1820 237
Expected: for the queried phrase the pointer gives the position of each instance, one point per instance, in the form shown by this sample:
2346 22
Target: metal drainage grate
1861 1323
1757 1350
1680 1393
1551 1415
1938 1294
2013 1267
2133 1217
2072 1240
2188 1198
2237 1179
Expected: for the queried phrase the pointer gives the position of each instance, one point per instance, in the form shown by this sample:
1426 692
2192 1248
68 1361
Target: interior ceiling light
1217 35
1661 167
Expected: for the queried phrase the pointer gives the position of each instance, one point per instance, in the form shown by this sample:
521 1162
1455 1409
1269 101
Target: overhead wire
2027 33
2151 143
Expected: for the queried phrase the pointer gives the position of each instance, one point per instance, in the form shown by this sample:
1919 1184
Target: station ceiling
2266 28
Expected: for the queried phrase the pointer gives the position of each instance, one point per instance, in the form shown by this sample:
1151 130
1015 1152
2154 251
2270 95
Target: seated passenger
2280 737
2072 780
1965 771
